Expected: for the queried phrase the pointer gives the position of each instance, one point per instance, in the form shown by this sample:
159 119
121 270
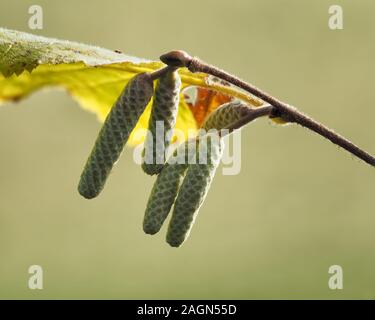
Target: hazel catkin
164 191
162 121
194 188
114 134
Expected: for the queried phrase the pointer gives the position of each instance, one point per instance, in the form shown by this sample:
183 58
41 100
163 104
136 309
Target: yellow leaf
93 76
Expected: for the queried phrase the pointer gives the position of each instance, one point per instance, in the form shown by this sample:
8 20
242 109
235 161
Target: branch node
176 58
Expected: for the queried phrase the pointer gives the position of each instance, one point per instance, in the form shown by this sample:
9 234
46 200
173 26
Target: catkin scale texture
114 134
193 191
164 111
225 115
164 191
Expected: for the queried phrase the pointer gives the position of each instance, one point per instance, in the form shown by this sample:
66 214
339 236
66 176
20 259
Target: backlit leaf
95 77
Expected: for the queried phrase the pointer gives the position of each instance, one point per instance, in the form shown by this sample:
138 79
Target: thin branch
252 115
283 110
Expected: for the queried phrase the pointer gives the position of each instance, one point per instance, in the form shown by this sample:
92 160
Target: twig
283 110
252 115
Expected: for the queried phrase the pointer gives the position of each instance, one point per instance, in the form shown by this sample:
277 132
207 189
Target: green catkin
164 111
164 191
193 190
114 134
225 115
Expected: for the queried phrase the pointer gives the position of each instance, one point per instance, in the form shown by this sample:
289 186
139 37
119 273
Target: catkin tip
150 230
174 244
151 169
86 193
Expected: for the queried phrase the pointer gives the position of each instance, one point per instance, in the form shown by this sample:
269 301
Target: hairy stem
282 110
255 113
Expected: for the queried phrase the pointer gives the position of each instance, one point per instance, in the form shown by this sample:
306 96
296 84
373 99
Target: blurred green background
298 206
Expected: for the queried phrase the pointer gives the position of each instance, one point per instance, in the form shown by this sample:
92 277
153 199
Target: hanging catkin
194 188
114 134
164 191
162 121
